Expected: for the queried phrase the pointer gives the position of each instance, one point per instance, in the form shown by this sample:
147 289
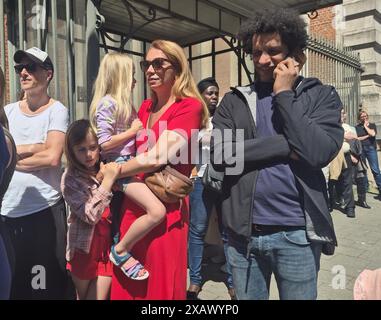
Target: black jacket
310 119
9 168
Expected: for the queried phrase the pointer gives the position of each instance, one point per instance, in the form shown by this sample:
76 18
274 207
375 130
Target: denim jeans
289 255
224 237
201 205
370 153
122 182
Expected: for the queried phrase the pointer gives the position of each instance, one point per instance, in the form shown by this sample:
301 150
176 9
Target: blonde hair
114 78
361 113
184 85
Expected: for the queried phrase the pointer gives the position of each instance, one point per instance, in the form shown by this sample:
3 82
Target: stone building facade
360 28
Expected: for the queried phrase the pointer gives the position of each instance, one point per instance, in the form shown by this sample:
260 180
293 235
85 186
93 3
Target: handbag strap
177 174
148 130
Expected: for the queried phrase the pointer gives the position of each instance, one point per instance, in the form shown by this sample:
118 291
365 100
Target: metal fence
61 28
339 67
329 62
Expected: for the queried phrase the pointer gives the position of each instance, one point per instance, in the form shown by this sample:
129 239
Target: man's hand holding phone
287 71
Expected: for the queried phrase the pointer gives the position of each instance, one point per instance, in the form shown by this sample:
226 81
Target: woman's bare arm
169 144
363 137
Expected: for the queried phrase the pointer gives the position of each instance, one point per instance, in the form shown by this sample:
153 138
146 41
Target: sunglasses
29 67
157 64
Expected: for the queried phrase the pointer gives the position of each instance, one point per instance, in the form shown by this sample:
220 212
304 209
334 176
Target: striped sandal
133 269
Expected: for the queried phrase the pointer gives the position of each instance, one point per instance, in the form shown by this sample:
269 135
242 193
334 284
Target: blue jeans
201 205
122 182
370 153
229 280
289 255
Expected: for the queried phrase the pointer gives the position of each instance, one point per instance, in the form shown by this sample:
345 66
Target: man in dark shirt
275 211
281 205
366 132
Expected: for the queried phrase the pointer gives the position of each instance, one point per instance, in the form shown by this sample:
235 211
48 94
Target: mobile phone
296 62
299 57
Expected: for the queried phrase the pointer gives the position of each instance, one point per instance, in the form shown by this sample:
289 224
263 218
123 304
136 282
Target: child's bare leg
81 287
99 288
138 192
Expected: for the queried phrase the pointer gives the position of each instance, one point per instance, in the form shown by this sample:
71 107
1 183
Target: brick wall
6 69
323 25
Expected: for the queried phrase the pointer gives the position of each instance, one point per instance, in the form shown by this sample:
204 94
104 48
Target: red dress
163 252
96 263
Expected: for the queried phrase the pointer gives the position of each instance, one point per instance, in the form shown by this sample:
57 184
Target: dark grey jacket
310 119
9 168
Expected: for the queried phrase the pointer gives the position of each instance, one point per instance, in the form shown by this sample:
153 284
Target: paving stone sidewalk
359 248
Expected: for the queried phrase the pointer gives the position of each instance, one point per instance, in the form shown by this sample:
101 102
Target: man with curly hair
276 212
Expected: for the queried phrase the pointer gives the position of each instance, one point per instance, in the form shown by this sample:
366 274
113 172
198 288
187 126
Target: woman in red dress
174 113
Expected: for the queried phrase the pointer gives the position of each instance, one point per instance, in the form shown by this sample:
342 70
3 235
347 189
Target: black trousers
344 184
38 242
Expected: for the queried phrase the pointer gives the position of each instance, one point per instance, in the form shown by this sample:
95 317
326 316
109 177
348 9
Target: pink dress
164 250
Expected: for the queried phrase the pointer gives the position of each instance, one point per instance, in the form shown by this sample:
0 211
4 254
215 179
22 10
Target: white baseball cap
36 55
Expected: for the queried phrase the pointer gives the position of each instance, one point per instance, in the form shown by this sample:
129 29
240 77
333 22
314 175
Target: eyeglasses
157 64
29 67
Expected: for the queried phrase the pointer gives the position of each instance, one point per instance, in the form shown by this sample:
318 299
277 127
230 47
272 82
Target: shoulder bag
168 184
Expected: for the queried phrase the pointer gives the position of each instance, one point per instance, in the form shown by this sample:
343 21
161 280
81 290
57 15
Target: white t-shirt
30 192
347 128
204 144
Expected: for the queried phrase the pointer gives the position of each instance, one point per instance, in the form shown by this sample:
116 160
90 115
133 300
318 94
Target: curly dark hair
286 22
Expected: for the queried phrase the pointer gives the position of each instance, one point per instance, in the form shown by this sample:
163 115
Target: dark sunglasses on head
29 67
157 64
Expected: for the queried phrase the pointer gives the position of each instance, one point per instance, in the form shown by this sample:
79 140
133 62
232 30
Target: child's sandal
132 270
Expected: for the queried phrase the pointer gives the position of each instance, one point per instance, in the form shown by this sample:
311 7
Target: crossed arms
38 156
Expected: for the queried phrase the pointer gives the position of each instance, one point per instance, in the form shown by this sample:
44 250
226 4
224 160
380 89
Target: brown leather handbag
169 185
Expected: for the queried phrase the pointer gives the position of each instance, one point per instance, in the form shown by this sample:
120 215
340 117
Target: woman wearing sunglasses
173 111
